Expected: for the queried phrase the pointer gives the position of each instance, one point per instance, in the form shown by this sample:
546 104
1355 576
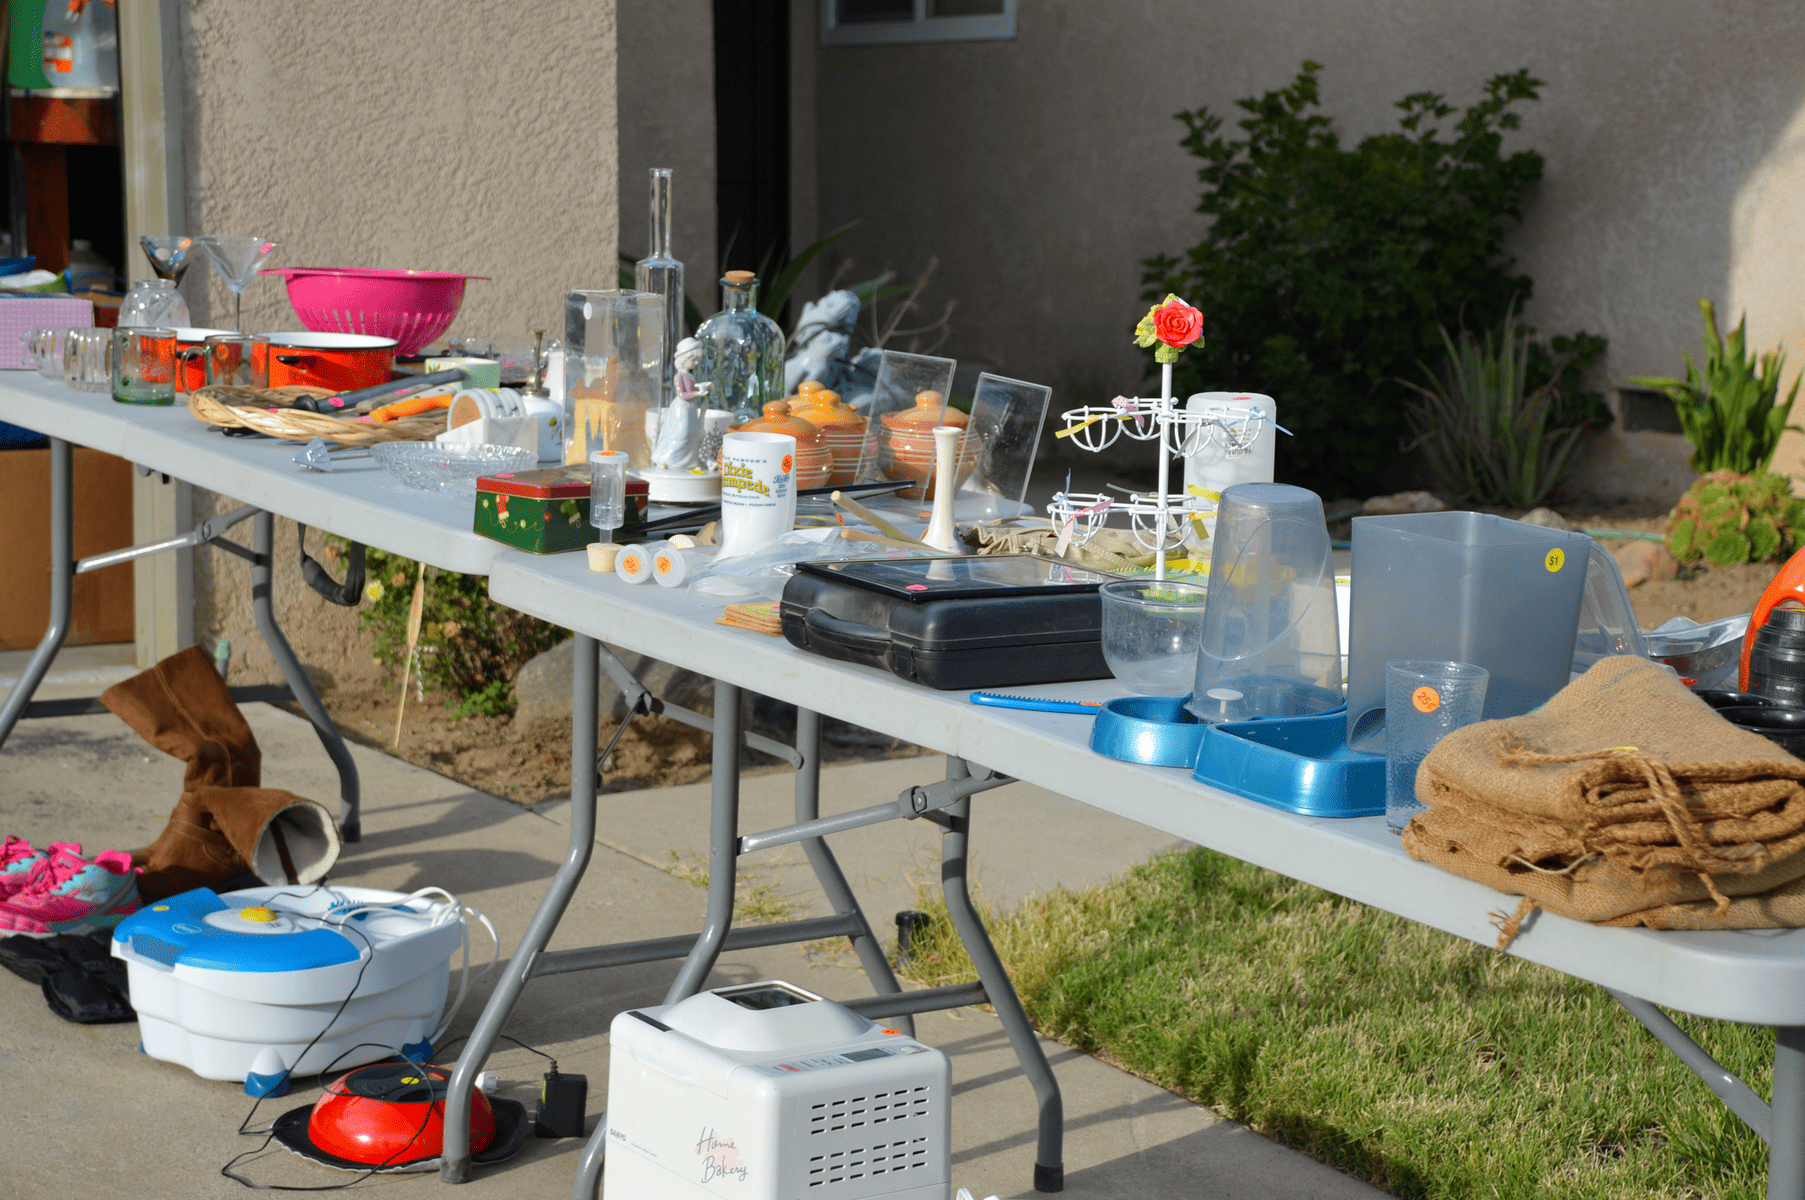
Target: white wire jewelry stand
1157 521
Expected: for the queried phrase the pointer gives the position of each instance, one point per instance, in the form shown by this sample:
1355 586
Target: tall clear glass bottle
742 351
662 275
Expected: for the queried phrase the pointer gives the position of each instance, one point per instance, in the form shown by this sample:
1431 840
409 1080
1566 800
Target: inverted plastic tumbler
1270 645
1425 700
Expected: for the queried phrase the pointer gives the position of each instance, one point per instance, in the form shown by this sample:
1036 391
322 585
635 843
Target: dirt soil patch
531 762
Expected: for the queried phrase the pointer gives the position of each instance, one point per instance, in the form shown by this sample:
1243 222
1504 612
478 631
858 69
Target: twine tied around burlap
1625 800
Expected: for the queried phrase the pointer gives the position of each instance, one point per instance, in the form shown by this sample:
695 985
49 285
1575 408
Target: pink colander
413 307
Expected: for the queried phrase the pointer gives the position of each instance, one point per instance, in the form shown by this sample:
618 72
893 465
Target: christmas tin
546 511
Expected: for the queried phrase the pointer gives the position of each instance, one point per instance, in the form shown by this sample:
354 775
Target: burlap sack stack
1625 800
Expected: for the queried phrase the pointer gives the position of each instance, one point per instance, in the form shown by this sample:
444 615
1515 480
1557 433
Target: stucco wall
667 120
477 137
1043 169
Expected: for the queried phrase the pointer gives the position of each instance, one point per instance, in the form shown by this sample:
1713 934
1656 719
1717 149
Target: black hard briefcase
977 622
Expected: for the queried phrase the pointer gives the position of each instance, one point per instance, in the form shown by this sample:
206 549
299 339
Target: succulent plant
1730 518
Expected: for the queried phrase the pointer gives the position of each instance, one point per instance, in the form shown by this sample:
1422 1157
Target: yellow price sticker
1557 558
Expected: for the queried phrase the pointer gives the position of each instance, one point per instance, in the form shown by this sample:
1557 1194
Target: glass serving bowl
450 469
1151 631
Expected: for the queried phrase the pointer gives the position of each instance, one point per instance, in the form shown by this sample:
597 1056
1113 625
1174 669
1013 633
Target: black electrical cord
269 1134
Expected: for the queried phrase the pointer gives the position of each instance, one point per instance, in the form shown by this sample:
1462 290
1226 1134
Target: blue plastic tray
1300 764
1156 730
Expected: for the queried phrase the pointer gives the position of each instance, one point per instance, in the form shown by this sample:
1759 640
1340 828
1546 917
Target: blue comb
1000 700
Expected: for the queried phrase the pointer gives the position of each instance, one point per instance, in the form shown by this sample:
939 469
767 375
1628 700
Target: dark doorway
752 132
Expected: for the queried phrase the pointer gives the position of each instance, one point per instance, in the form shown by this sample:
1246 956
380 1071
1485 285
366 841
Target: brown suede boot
223 824
183 708
217 833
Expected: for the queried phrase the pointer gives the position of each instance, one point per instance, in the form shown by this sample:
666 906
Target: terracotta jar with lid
814 461
906 444
842 427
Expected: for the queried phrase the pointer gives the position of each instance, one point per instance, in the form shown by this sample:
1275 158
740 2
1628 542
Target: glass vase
613 362
742 351
154 302
659 274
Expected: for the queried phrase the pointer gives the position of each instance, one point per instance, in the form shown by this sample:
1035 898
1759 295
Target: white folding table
1756 977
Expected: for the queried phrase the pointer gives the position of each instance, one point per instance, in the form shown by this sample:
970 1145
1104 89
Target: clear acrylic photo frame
900 379
1007 420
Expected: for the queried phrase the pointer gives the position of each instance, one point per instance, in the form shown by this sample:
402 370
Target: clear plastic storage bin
1468 587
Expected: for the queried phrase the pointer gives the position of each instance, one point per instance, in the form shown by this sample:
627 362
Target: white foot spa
258 984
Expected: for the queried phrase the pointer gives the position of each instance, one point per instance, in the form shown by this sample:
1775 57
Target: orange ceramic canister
814 461
905 444
841 428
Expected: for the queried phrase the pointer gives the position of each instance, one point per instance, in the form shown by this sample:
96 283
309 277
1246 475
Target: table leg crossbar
1780 1124
64 567
948 803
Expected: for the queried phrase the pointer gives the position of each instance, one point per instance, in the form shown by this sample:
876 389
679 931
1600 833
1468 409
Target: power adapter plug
562 1099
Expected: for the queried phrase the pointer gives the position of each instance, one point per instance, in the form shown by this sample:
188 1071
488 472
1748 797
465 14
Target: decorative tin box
546 511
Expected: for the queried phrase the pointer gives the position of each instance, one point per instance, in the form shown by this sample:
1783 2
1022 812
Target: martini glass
237 259
168 256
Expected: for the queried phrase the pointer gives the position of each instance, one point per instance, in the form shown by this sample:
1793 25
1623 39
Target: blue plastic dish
1299 764
1156 730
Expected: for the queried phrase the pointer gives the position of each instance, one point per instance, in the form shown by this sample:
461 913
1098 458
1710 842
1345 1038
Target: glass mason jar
742 351
154 302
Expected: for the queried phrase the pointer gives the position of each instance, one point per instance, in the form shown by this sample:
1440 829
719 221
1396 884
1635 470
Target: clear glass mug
143 365
86 359
230 361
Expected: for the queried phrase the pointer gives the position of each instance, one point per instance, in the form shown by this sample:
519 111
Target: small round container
1151 630
1784 727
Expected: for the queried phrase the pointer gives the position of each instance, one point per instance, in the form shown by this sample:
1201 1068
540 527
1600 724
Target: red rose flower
1177 323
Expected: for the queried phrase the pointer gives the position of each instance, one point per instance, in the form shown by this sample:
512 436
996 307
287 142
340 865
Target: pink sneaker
18 857
65 893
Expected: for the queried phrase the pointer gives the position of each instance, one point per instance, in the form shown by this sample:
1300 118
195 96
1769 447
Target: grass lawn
1430 1066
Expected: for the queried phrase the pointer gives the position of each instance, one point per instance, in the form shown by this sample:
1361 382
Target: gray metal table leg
723 845
1786 1140
1049 1159
827 868
62 585
455 1164
262 594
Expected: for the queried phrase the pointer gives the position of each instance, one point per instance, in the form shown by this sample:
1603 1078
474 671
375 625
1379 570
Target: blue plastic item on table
1300 764
1156 730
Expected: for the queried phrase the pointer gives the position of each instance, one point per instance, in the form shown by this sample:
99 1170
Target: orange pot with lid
926 414
814 461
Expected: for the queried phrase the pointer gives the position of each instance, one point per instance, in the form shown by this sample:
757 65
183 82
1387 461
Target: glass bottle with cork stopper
742 351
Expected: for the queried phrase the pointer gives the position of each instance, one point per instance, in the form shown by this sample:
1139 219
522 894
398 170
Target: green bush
470 647
1327 273
1488 435
1730 518
1731 410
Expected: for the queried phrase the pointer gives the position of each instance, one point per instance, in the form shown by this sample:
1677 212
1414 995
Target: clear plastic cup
1151 630
1425 700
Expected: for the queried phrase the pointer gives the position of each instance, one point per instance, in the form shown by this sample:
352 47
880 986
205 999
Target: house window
870 22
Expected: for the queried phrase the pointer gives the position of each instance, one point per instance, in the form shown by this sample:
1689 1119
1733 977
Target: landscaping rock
542 686
1404 502
1547 518
1641 561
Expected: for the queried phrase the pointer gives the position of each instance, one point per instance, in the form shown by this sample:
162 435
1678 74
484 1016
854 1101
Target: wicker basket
269 411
